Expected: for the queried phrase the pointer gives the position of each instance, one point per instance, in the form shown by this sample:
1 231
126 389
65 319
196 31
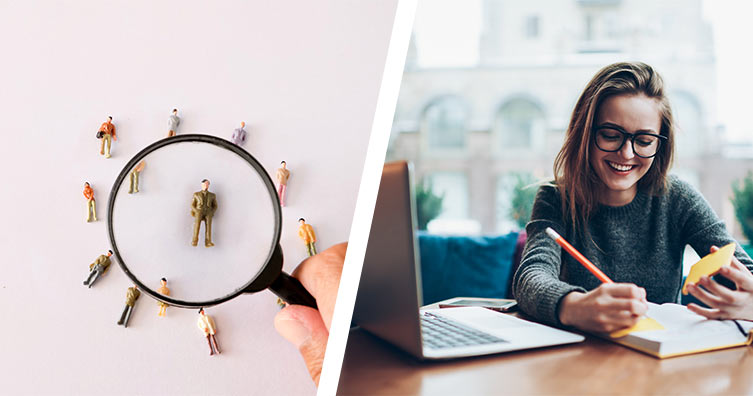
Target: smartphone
495 304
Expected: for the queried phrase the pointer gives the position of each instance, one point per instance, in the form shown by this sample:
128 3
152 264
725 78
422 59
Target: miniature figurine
172 123
203 206
306 233
134 187
131 296
106 133
239 135
97 268
91 205
282 177
206 324
163 290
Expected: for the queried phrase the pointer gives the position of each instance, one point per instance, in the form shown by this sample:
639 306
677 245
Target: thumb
303 327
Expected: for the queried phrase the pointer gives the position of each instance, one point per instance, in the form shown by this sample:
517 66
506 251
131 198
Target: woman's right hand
609 307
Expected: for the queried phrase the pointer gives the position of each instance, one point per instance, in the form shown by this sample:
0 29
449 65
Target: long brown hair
576 180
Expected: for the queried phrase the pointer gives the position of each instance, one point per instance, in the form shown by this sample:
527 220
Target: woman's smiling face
621 170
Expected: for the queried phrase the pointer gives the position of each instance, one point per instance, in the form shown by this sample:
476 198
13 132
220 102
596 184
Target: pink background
304 77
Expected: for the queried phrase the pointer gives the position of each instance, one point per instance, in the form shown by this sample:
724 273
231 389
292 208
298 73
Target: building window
515 194
601 30
445 123
532 27
455 216
588 30
520 125
454 187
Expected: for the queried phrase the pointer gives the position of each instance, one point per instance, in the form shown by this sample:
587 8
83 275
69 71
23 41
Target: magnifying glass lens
154 228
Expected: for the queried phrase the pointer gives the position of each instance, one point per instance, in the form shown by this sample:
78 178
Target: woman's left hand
725 303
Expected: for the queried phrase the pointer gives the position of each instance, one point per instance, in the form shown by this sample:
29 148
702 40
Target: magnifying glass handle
291 291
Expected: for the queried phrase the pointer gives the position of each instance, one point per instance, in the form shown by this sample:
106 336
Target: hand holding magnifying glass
308 328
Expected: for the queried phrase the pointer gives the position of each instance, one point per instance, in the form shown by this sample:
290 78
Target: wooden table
372 366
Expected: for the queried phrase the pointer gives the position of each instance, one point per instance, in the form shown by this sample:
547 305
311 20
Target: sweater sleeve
699 225
536 284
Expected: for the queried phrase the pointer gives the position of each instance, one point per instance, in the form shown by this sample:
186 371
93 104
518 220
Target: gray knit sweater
641 243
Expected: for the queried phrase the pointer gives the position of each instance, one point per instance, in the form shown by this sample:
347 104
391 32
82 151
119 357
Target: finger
303 327
628 305
737 264
624 290
320 275
705 297
624 318
725 294
616 321
735 260
741 276
709 313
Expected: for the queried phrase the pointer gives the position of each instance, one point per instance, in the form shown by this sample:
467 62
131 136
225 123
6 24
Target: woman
613 200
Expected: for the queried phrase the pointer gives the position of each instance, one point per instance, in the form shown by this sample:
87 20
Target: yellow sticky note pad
645 324
709 265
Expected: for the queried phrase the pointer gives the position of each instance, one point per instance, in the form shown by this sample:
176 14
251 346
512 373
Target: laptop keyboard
441 332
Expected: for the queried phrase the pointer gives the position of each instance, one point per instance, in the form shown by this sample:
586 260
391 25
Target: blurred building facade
469 130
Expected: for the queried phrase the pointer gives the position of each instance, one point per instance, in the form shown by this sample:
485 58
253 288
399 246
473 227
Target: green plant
523 195
428 204
742 200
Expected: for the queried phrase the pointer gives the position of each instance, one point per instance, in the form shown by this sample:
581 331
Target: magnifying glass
210 249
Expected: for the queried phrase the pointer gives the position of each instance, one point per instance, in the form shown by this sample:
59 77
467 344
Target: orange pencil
576 255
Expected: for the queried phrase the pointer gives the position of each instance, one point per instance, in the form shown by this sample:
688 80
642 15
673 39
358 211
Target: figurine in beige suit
206 324
203 206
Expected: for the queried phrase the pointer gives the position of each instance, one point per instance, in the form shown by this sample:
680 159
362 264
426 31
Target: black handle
291 291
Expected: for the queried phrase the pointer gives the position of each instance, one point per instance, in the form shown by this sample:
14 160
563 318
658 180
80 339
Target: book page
681 323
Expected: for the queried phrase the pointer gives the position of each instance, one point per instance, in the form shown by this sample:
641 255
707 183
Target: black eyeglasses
611 138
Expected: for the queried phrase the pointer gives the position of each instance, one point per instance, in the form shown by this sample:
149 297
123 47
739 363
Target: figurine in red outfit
106 134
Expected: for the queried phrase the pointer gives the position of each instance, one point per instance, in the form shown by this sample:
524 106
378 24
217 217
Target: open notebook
672 330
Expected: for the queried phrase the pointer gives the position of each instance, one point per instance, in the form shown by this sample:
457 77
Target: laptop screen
389 294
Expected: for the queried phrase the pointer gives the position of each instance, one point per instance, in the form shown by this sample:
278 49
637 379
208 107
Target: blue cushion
453 266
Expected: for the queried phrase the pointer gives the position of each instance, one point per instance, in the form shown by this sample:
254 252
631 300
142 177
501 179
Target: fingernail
293 330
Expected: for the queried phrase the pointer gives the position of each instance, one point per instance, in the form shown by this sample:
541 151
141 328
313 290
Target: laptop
389 295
